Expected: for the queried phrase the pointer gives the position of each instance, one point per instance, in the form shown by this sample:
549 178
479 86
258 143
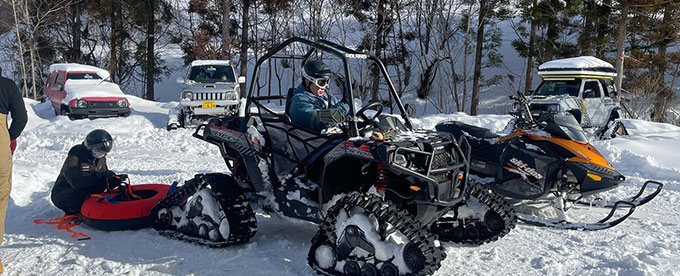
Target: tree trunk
31 48
113 62
585 39
664 93
244 44
466 48
477 77
150 57
24 89
378 49
532 46
75 50
226 28
621 44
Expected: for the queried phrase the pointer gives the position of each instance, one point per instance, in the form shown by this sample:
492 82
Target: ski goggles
319 82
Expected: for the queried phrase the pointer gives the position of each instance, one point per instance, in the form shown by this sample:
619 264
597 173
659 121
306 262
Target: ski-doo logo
521 168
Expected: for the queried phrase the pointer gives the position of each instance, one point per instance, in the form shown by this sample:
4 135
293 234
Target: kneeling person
84 173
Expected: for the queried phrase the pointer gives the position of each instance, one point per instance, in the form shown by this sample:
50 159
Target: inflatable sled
123 209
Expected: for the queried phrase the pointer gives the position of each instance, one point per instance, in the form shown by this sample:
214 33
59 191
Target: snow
646 244
210 62
69 67
583 62
77 89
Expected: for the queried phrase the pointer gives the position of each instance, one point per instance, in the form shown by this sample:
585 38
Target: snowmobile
374 188
546 162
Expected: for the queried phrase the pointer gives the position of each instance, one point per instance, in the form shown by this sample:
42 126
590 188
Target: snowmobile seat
477 137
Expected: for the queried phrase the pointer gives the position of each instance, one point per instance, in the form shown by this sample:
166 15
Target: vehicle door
47 88
593 103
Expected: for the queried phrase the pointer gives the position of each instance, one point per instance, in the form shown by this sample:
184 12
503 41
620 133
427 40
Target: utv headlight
122 103
231 95
81 104
186 95
554 108
400 159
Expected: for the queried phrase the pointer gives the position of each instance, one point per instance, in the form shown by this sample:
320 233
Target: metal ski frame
607 221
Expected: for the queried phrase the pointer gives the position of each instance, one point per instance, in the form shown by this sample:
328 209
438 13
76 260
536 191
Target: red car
83 91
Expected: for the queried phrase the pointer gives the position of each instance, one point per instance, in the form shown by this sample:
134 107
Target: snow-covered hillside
646 244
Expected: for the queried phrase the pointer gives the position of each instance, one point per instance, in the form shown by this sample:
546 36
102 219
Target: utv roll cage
339 51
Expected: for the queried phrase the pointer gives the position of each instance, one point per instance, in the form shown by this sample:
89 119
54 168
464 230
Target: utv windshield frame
341 52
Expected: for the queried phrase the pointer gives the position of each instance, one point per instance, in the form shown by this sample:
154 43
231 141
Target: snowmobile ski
636 200
209 209
566 225
353 253
495 223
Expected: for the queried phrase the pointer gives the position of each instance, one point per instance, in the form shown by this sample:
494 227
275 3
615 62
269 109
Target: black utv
375 188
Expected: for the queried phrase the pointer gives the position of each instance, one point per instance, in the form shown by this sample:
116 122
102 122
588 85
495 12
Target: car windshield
558 87
212 73
83 76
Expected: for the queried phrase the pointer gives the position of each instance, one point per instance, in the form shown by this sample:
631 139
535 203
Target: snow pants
5 172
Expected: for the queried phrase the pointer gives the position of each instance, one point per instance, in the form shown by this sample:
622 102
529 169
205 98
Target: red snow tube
114 211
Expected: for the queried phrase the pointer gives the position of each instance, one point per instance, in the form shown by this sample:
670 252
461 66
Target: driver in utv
84 173
311 96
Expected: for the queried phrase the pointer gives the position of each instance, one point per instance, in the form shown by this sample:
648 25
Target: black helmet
99 142
317 70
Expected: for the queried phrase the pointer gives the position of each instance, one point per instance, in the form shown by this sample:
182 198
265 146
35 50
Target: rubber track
242 221
447 232
384 212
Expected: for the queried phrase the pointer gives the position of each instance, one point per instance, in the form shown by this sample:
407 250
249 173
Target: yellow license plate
208 104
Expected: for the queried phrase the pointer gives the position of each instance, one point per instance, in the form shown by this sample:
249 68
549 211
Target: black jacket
82 172
12 103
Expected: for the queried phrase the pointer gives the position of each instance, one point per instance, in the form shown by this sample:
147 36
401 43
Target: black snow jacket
81 175
12 103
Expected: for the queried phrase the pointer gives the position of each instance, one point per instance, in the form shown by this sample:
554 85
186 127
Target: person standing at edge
11 103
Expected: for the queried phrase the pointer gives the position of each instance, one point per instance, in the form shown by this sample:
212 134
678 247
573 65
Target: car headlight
231 95
400 159
186 95
122 103
81 103
554 108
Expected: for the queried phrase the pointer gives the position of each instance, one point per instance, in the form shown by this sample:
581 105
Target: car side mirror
589 93
241 79
330 116
180 80
410 110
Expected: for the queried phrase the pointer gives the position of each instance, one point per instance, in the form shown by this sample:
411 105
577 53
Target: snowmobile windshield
564 125
558 87
212 73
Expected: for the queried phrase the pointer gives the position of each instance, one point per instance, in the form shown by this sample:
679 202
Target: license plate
208 104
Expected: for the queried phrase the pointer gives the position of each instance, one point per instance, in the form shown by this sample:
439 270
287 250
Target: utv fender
234 146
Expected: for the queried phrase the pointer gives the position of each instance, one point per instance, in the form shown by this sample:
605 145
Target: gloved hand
13 145
331 130
111 179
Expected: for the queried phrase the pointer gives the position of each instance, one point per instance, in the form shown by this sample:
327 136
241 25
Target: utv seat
289 99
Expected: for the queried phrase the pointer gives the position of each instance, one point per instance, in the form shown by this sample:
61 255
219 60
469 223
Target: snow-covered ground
646 244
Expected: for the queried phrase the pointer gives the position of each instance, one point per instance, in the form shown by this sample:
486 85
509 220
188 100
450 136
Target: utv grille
441 159
208 96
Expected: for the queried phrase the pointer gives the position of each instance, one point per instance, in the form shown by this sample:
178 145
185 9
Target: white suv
211 89
582 86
